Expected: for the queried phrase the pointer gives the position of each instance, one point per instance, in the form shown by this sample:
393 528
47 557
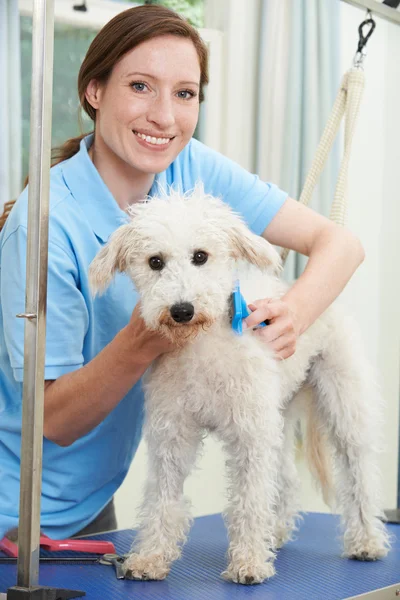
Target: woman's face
148 109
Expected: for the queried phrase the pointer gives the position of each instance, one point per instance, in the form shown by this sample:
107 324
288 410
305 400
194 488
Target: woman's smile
153 142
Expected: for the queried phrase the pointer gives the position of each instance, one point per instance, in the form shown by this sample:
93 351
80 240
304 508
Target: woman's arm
334 255
77 402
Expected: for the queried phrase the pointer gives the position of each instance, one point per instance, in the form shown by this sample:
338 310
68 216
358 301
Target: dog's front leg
254 446
165 516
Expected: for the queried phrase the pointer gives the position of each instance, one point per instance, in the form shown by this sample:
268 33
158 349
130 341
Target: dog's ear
253 248
112 258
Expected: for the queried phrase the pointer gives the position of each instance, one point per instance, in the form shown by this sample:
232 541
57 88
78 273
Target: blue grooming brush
240 310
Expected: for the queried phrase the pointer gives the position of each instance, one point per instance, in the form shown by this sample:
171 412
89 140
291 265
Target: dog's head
180 252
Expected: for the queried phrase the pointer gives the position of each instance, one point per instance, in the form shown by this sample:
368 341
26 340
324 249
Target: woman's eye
156 263
138 86
186 94
200 257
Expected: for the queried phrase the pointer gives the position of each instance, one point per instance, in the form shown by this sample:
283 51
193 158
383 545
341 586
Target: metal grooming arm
386 11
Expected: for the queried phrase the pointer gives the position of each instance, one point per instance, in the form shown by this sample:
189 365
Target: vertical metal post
36 291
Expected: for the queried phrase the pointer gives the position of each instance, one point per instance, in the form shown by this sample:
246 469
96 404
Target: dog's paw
373 549
145 568
249 573
367 552
367 545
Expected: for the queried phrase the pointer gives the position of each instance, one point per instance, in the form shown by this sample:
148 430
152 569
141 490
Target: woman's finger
265 311
282 346
283 342
271 333
285 353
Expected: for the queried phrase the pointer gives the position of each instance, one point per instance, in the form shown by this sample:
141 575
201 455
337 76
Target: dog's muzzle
183 312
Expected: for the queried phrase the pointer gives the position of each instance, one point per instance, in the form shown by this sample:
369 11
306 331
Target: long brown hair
120 35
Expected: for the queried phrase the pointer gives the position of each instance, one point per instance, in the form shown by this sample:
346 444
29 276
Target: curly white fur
233 387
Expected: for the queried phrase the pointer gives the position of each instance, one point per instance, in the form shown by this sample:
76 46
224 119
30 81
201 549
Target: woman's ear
113 257
93 93
253 248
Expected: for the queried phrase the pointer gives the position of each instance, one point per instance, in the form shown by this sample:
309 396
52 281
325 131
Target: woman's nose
161 112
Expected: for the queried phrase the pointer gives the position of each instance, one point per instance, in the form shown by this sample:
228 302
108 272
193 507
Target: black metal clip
363 39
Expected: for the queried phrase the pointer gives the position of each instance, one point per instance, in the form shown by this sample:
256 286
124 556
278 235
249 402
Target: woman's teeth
152 140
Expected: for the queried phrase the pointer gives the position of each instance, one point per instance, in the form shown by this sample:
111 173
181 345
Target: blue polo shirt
79 480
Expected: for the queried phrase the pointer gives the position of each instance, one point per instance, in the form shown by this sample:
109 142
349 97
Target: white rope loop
347 103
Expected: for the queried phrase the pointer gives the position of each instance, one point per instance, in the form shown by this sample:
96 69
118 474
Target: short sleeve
67 314
256 201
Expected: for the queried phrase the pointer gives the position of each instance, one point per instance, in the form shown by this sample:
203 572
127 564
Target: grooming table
310 568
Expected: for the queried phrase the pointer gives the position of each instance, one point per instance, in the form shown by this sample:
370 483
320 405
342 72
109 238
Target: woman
141 83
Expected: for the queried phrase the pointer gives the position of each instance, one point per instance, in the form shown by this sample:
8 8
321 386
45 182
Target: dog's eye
200 257
156 263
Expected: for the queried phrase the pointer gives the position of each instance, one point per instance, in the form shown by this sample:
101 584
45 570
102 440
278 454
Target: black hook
363 39
80 7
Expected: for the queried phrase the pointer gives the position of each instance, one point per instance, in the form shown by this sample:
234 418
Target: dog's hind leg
253 447
348 404
288 501
165 516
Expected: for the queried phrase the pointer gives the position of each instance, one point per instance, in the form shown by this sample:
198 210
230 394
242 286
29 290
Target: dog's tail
316 446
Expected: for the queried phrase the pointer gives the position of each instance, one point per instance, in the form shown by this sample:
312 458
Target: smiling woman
148 84
146 113
158 109
73 33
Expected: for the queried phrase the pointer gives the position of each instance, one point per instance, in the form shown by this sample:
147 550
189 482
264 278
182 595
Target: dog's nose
183 312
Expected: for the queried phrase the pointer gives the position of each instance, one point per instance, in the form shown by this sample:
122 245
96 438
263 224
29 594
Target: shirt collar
87 187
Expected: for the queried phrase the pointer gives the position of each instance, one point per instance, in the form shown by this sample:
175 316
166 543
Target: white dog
183 254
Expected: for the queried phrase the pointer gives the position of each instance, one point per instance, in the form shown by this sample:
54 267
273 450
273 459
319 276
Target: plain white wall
373 296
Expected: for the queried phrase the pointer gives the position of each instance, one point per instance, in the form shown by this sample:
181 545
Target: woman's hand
77 402
282 332
149 344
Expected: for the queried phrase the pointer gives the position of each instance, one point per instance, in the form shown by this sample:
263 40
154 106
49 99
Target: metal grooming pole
36 290
35 311
382 10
